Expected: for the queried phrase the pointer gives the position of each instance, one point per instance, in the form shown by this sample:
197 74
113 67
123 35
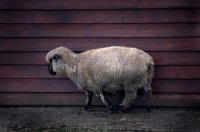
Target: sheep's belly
113 87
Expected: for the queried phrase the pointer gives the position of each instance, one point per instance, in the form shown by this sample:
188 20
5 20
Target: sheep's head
61 60
55 61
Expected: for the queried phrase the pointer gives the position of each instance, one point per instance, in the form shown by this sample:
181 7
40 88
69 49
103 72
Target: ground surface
160 119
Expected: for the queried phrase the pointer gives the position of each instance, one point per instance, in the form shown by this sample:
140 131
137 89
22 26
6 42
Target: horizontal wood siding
66 85
100 16
100 30
79 99
103 4
82 44
160 58
169 30
169 72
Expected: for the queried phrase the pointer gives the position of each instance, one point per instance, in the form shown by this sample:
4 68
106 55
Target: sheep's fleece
109 69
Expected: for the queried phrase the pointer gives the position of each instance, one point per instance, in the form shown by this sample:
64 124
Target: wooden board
100 30
100 16
160 58
80 98
66 85
83 44
169 30
90 4
167 72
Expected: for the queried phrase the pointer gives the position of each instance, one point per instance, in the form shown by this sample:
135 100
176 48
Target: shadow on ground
57 119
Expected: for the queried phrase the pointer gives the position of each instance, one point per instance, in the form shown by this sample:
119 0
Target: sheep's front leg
88 100
106 102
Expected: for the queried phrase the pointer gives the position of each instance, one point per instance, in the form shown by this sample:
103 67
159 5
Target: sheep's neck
70 68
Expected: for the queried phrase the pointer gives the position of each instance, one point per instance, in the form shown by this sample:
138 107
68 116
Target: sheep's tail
150 72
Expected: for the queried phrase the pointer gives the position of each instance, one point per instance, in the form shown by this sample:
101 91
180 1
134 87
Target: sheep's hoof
86 108
148 109
110 110
122 109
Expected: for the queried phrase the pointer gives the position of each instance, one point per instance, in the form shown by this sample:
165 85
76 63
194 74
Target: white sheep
109 69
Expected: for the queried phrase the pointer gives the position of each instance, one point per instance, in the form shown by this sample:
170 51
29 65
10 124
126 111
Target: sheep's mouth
52 72
50 69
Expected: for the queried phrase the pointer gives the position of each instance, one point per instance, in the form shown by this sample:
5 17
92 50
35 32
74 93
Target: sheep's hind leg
147 94
129 99
106 102
88 101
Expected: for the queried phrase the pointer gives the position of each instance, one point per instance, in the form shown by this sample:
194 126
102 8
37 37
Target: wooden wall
169 30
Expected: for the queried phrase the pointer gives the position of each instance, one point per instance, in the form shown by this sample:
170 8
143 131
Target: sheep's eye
55 57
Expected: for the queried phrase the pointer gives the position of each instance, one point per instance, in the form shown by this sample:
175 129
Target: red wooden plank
17 4
170 72
100 16
38 85
176 86
176 58
192 100
17 30
90 4
83 44
26 72
66 85
160 58
176 72
100 30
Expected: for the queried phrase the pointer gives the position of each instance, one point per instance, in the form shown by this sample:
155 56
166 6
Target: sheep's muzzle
50 69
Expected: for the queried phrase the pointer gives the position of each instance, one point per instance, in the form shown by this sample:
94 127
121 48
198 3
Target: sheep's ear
56 56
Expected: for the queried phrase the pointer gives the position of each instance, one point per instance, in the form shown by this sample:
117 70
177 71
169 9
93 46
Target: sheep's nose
50 69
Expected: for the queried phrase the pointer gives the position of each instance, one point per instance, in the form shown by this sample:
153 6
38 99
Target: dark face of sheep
50 68
55 64
50 65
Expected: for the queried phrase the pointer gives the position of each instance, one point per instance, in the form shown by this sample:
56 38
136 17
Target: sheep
109 69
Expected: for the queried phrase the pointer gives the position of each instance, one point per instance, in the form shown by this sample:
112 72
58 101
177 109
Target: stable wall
168 30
